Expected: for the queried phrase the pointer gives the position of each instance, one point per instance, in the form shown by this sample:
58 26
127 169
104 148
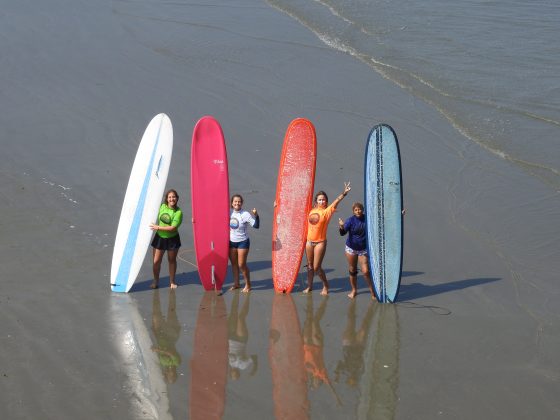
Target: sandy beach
476 331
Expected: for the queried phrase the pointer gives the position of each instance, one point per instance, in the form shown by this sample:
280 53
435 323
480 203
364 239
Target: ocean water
492 68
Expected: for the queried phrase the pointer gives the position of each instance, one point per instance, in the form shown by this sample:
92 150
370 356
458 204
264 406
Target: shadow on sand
419 290
342 284
408 292
191 277
267 284
182 279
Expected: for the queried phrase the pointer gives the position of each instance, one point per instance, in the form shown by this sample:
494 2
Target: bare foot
325 291
246 289
235 287
307 290
373 297
352 294
154 285
173 286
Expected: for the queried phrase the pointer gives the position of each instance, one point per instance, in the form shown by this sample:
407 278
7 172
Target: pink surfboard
210 202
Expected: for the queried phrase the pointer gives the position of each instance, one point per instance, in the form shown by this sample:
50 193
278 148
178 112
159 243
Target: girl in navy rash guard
356 250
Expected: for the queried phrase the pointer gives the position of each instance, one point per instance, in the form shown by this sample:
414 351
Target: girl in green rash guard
167 237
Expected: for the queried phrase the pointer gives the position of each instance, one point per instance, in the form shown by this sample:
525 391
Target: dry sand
476 332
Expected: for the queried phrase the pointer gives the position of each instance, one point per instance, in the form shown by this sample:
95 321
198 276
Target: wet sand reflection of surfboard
383 205
289 381
209 360
380 380
294 190
145 387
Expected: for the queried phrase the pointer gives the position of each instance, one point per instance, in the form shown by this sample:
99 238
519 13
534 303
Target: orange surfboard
294 191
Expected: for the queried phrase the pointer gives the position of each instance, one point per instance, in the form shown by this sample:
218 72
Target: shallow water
491 67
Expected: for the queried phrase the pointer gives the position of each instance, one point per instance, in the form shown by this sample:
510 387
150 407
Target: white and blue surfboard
141 202
383 204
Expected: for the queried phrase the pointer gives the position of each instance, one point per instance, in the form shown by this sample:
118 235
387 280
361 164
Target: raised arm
341 196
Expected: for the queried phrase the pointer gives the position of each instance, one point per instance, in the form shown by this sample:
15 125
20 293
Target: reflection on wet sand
353 345
238 335
166 332
380 381
289 385
144 384
313 347
209 360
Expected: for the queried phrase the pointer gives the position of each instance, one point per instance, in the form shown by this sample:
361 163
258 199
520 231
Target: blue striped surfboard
383 205
141 202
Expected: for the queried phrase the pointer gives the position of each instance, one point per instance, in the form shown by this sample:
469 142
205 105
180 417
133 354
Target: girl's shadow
182 279
342 284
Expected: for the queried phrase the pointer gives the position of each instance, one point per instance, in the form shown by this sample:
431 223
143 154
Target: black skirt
166 244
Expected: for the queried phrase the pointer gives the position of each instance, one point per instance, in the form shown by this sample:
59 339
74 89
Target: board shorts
166 244
351 251
240 245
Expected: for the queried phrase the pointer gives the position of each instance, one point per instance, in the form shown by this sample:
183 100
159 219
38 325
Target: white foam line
333 11
378 66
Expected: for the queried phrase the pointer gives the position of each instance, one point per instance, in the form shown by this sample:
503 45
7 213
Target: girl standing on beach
316 246
356 250
239 242
167 237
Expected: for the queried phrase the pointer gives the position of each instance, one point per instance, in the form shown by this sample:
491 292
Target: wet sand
475 333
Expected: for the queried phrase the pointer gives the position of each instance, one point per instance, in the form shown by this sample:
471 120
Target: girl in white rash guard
239 242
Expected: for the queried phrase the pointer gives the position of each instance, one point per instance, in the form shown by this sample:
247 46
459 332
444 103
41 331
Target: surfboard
289 381
383 206
210 202
142 200
294 191
209 360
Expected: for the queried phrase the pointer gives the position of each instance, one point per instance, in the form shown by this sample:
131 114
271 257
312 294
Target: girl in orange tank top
316 246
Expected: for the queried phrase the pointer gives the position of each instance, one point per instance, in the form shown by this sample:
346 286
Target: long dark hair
236 196
169 192
317 196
